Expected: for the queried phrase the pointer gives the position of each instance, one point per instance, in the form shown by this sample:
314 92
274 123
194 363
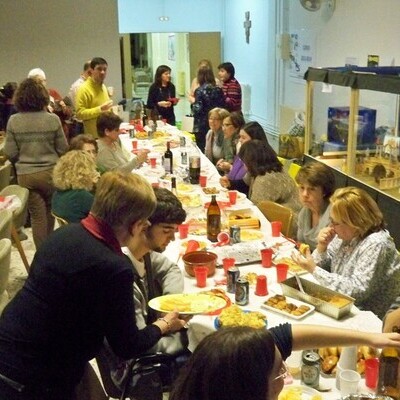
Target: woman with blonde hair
355 255
74 178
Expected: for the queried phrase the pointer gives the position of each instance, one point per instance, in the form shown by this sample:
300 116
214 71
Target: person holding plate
243 363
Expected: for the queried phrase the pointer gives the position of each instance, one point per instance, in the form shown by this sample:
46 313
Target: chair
5 224
276 212
60 221
294 169
19 217
5 173
5 257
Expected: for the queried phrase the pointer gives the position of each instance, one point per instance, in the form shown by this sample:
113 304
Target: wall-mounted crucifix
247 26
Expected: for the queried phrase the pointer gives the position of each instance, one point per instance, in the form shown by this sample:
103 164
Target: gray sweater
34 141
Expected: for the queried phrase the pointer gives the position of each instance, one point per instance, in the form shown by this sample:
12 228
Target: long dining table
202 325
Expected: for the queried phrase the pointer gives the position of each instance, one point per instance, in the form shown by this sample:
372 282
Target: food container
369 396
334 310
200 259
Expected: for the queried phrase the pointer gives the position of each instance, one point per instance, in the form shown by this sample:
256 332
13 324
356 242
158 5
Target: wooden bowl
200 259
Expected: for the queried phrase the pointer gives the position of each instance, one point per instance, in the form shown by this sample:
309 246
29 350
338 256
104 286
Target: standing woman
34 142
207 96
161 98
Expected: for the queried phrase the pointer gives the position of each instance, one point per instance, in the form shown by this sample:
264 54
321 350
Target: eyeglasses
283 372
225 125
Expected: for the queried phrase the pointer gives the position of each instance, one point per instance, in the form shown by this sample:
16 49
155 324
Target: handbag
290 146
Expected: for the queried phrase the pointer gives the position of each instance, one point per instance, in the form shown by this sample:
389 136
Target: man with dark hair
155 275
230 86
92 97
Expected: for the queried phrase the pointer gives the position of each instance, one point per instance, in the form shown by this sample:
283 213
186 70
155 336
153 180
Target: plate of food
210 190
287 306
221 204
188 200
184 187
299 392
202 244
293 266
235 316
188 303
248 235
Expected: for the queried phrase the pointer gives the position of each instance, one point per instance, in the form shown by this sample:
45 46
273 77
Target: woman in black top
161 98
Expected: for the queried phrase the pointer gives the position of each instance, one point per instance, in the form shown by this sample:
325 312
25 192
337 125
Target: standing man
92 98
230 86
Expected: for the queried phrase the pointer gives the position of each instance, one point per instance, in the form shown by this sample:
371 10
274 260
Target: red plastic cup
164 120
200 274
134 144
223 238
266 257
155 184
227 263
203 180
371 372
183 230
153 162
261 286
276 227
192 245
281 272
232 194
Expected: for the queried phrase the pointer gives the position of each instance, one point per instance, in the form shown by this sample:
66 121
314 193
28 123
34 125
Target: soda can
182 141
231 278
184 158
242 292
131 133
234 234
310 368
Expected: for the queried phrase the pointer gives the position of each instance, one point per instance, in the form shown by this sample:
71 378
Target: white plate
289 300
307 392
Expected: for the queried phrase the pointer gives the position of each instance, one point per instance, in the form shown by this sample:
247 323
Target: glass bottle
388 382
173 186
168 159
213 220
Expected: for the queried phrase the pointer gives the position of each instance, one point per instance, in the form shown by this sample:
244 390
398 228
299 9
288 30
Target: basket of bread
330 357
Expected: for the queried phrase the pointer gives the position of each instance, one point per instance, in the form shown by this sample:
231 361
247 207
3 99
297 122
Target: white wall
58 36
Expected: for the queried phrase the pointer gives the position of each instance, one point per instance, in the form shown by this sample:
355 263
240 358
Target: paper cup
349 380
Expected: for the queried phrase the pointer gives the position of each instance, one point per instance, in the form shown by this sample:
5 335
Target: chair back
19 215
5 258
105 373
5 224
293 170
60 221
5 173
277 212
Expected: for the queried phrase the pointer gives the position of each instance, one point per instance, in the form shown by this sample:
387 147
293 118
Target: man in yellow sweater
92 98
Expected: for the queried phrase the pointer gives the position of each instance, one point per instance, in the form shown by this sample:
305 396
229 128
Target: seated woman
231 126
74 178
237 171
355 255
266 177
244 363
111 155
316 183
215 136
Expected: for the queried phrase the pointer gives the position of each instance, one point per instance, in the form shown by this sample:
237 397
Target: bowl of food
200 259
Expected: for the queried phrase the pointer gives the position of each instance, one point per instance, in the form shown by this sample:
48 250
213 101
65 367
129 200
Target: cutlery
299 283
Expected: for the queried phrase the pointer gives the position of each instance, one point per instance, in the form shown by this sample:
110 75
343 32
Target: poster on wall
171 47
302 53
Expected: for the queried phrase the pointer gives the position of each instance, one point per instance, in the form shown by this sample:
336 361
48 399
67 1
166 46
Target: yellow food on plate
235 316
190 200
184 187
188 303
251 277
293 267
247 235
202 244
211 190
141 135
298 393
303 248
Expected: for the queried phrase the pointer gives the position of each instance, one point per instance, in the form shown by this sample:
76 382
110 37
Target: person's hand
306 261
142 155
172 322
382 340
164 104
325 236
225 166
224 182
106 106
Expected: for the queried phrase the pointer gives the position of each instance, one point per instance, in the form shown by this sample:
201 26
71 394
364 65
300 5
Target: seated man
155 275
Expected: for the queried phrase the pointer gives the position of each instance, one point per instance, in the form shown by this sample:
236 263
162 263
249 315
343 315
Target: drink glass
371 372
183 231
203 180
227 263
276 227
134 144
349 380
232 196
200 274
281 272
194 169
266 258
261 286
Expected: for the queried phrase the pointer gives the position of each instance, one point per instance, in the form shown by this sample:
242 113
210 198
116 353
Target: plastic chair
294 169
5 173
276 212
19 217
60 221
5 257
5 224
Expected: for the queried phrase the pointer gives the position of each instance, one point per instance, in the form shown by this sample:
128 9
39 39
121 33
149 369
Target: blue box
338 125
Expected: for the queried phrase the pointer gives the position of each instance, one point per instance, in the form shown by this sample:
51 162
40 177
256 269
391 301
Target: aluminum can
242 292
234 234
231 278
131 133
310 368
184 158
182 141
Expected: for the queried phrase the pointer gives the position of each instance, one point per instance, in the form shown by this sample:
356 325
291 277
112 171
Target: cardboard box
338 125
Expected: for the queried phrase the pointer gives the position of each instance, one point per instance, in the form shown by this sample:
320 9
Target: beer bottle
168 159
213 220
388 382
173 186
